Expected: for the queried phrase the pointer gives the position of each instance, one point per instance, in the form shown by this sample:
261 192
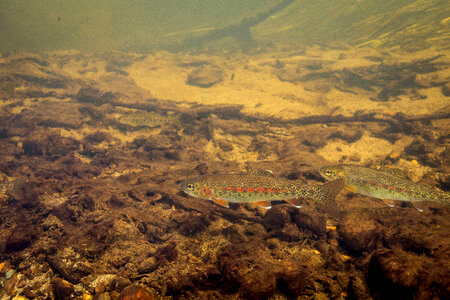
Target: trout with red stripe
385 184
260 188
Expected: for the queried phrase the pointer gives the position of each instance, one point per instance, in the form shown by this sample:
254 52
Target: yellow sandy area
252 81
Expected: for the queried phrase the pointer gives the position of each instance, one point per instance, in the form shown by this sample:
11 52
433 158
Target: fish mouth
322 173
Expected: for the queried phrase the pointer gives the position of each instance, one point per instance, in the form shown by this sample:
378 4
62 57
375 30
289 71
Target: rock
120 59
276 218
289 233
167 253
97 137
94 96
63 289
21 237
357 288
55 114
31 148
202 168
107 283
446 89
225 145
27 292
135 292
192 224
7 90
9 285
148 266
255 282
104 296
205 77
418 147
360 233
9 274
350 135
259 283
292 282
394 275
70 265
52 146
313 222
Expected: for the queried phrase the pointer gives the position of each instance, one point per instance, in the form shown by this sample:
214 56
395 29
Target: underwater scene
203 149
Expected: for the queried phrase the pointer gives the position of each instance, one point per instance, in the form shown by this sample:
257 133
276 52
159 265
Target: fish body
147 119
259 188
384 184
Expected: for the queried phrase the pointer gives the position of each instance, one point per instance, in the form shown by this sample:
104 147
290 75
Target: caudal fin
328 193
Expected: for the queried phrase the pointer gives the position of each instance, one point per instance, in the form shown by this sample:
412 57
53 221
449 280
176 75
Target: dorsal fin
394 172
262 173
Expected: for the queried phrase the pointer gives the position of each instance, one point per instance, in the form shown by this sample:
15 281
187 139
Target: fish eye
190 186
328 172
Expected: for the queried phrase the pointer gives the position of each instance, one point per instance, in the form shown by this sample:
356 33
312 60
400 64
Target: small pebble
10 274
21 283
394 155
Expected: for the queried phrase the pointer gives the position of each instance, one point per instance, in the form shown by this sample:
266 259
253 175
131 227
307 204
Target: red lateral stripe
389 187
252 189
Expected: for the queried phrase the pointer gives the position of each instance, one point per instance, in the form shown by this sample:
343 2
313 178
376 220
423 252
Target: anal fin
389 202
221 202
294 202
419 205
263 204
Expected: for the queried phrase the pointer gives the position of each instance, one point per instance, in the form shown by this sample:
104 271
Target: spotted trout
386 184
261 188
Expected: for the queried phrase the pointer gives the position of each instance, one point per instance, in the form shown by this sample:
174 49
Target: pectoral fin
263 204
221 202
294 202
350 188
389 202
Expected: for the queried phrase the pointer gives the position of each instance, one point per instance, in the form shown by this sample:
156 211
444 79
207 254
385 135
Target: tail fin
328 193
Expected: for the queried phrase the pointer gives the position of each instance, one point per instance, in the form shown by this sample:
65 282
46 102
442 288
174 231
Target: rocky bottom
90 206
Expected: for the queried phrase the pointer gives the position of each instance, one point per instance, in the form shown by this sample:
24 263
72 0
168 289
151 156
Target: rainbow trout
388 185
261 188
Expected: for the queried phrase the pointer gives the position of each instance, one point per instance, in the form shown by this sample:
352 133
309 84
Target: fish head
332 172
192 187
